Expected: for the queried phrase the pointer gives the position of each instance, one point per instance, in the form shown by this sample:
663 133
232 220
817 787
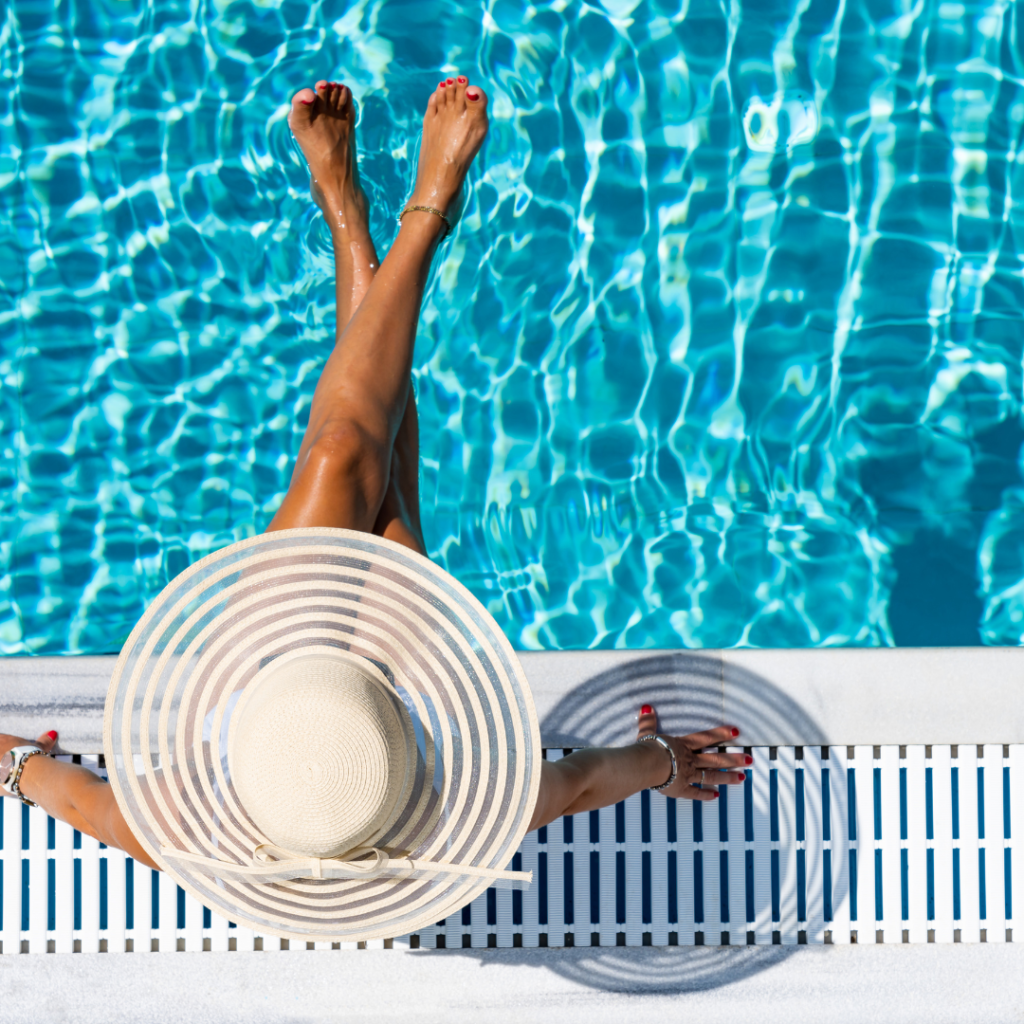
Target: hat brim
204 639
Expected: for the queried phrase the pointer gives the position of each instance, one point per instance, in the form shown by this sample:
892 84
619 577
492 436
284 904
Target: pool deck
768 985
843 695
848 696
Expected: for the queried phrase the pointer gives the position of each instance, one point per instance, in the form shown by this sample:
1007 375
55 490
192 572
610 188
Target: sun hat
322 735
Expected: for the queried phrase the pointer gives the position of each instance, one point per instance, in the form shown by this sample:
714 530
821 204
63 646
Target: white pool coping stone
768 985
849 696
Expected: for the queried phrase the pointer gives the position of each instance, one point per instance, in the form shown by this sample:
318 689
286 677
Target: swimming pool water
727 349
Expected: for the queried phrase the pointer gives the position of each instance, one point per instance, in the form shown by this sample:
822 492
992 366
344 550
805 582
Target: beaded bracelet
13 784
671 753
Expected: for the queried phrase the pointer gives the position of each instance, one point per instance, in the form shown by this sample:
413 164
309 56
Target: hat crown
318 756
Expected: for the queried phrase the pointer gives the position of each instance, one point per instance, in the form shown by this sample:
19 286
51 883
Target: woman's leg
361 403
324 122
324 126
399 515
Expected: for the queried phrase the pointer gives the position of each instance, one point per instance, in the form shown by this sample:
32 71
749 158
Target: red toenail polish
462 80
647 710
748 760
472 96
451 81
308 103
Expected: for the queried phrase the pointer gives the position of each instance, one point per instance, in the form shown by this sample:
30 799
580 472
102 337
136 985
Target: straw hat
321 735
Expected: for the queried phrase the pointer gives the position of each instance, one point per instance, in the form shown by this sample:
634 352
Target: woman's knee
345 454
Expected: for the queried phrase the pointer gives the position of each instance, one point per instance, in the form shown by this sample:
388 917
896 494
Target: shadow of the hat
687 690
642 970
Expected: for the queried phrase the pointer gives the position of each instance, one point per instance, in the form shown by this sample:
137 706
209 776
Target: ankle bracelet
427 209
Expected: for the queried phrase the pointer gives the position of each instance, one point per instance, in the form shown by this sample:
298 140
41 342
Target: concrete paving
777 697
860 984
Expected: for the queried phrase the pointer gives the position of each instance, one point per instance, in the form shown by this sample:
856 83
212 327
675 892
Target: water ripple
685 378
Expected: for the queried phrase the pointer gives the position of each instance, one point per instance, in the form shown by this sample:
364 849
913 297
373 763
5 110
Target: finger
711 738
647 721
48 740
691 793
716 760
714 779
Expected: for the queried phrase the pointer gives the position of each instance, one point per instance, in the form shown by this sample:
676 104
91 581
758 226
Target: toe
302 101
434 102
477 97
460 86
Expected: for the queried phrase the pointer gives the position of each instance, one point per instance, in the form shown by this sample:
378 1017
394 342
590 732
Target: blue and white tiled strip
863 844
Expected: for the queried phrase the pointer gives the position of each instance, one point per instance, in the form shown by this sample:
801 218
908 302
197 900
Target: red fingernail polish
647 710
748 760
714 796
52 734
743 775
735 732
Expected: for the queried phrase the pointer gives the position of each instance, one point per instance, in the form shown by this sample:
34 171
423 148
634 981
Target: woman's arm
76 795
597 777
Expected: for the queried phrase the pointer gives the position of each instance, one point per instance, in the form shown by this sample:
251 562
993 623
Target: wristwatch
12 764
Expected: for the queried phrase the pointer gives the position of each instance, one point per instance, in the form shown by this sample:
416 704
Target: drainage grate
841 844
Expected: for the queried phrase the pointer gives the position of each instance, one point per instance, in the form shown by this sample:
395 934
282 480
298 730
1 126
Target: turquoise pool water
727 349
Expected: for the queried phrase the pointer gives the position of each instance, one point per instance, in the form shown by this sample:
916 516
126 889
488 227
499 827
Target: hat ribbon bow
271 863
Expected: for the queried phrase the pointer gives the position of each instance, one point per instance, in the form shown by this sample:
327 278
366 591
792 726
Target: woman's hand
599 776
47 742
698 774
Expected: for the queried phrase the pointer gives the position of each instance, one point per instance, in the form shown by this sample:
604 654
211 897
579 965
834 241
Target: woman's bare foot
454 128
324 125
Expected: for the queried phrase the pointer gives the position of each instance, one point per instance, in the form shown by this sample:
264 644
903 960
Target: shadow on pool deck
686 689
645 970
